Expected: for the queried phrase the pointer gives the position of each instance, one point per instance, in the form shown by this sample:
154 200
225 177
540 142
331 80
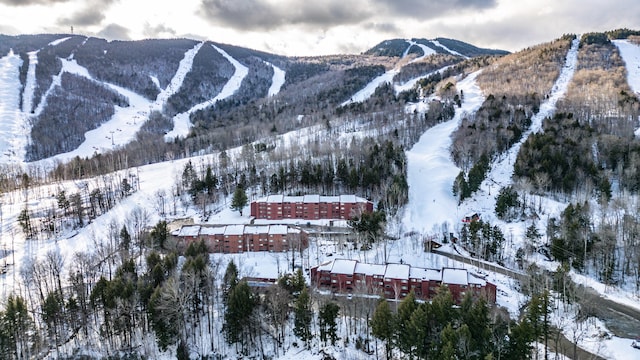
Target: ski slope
181 122
277 81
431 171
500 174
437 43
369 89
13 123
630 53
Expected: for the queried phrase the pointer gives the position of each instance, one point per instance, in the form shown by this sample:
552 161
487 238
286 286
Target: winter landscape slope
430 174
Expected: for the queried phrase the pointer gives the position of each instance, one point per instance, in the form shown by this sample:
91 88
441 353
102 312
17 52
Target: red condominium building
395 281
241 238
309 207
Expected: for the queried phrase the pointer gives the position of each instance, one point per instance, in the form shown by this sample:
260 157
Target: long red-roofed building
309 207
242 238
395 281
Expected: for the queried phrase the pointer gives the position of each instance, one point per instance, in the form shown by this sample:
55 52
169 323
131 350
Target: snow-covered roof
255 229
348 199
476 280
275 198
311 198
325 266
370 269
234 230
189 230
278 229
215 230
330 199
294 199
343 266
425 274
293 230
397 271
454 276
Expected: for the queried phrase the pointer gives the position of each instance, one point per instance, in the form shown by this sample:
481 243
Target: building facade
395 281
309 207
242 238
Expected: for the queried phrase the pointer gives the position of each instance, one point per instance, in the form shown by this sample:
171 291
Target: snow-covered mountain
114 127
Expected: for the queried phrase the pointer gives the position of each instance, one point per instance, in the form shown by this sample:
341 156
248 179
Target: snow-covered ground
431 171
630 53
13 123
277 81
437 43
181 122
430 176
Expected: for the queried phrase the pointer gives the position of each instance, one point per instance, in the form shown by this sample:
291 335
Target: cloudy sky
307 27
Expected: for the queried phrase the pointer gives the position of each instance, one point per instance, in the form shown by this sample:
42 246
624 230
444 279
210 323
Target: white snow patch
13 125
277 81
30 83
452 52
58 41
431 171
630 53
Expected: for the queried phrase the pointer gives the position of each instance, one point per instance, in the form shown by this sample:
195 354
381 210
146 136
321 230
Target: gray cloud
92 14
86 17
157 31
31 2
260 15
430 9
114 32
384 27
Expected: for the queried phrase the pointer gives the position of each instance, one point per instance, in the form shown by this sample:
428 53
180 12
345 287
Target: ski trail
366 92
411 83
30 83
184 67
631 55
12 121
426 51
58 41
430 166
500 174
452 52
277 80
182 123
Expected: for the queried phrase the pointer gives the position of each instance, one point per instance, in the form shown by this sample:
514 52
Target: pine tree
239 200
237 318
303 317
405 336
328 326
383 325
230 280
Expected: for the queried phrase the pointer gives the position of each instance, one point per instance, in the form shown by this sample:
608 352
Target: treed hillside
132 64
514 86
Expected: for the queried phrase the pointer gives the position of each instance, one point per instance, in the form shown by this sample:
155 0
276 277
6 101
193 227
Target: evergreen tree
237 318
303 316
159 234
328 326
230 280
125 238
383 325
239 200
405 334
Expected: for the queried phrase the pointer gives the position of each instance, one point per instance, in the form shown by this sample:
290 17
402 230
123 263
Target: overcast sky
320 27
